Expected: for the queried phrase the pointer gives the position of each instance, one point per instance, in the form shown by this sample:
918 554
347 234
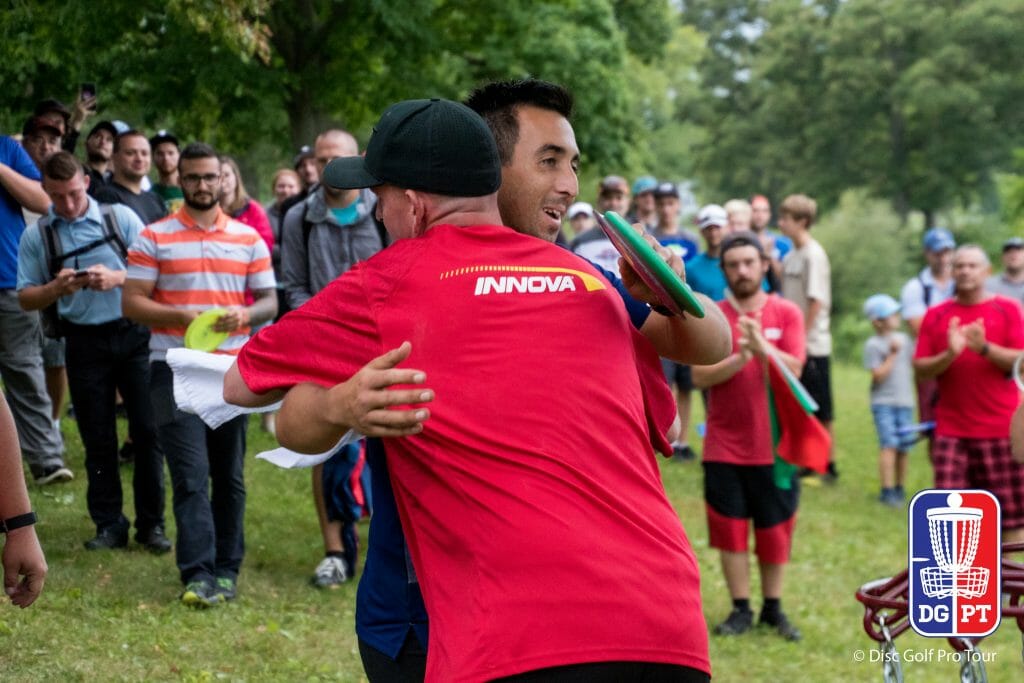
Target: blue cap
880 306
644 183
938 239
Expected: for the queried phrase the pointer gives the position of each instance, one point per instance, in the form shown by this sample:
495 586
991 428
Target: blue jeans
210 542
339 499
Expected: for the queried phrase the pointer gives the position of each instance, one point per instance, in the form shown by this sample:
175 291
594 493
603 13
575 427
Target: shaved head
339 140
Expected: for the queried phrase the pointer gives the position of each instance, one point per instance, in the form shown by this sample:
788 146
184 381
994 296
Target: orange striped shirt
196 268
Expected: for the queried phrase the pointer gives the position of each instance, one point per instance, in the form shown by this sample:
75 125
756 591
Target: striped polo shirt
197 268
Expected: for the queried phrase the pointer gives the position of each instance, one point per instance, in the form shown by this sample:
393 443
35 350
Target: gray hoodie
332 248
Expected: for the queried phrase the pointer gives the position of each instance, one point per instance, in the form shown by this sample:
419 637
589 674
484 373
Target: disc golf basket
953 532
886 600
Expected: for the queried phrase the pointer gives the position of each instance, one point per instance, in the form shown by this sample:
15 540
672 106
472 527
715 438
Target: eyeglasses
209 179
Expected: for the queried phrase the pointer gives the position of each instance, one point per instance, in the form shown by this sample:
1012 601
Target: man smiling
480 479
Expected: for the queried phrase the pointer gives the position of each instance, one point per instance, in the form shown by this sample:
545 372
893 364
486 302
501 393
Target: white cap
580 207
712 214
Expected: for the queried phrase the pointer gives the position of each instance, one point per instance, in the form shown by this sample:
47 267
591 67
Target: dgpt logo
954 563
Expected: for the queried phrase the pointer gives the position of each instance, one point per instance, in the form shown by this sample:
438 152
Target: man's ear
418 207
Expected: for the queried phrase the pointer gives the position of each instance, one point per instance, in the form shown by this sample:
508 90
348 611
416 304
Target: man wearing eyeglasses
195 260
132 162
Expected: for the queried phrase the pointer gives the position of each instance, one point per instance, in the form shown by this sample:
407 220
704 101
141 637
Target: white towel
199 386
199 390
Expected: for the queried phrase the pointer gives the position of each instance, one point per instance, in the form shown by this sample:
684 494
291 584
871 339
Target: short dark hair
61 166
197 150
744 238
130 133
499 102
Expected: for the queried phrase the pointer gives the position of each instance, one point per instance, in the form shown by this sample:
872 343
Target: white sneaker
54 473
330 573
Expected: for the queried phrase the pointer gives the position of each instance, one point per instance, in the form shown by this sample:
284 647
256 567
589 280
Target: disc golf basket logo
954 532
954 563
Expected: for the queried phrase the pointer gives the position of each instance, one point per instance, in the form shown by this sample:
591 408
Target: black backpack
50 319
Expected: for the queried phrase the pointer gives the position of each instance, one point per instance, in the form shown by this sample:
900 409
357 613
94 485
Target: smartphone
88 90
81 273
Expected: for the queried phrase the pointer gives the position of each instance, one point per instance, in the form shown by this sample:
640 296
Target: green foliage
258 78
871 252
909 99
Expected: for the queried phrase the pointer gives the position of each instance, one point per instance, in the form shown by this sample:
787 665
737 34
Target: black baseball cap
103 125
666 189
37 124
305 152
432 145
163 136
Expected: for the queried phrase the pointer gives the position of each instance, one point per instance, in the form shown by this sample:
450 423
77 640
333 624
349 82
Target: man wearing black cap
99 148
40 138
70 122
1010 283
684 243
498 466
165 158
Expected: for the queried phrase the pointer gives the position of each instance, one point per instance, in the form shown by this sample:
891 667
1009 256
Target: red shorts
982 464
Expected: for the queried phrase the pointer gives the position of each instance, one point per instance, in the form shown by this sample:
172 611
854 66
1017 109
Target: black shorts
749 492
611 672
817 378
677 374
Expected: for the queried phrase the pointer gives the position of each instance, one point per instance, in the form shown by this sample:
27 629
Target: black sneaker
226 588
683 453
108 539
54 474
154 540
200 595
782 627
739 621
126 455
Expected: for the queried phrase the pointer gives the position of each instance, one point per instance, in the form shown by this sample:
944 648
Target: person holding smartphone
105 352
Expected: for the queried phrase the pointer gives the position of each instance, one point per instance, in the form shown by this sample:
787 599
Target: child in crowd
887 355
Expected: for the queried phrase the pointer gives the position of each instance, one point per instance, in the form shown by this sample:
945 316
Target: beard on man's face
200 201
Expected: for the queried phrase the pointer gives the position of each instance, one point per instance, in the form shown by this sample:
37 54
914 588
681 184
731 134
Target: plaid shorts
982 464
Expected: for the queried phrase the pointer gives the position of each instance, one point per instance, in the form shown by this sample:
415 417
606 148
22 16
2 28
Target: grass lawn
114 616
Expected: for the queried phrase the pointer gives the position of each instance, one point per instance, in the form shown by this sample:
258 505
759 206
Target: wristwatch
12 523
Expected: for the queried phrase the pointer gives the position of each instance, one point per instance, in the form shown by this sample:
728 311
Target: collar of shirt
220 223
92 213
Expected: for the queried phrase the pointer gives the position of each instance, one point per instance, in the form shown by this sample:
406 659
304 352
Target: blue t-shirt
383 619
12 222
86 306
682 245
347 215
704 274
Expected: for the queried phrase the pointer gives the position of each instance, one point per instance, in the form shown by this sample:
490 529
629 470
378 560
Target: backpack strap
54 257
113 231
927 289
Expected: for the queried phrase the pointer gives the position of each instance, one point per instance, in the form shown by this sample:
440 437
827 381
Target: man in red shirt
969 344
739 478
507 492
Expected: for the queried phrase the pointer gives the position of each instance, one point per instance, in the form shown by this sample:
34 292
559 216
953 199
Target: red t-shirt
739 428
976 399
532 503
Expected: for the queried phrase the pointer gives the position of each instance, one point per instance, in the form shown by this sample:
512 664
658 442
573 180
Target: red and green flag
798 438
